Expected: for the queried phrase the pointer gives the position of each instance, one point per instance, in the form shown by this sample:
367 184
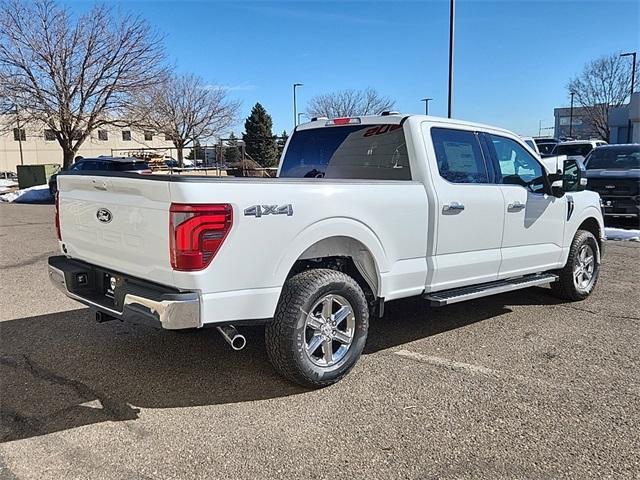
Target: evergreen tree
282 141
259 141
232 152
197 152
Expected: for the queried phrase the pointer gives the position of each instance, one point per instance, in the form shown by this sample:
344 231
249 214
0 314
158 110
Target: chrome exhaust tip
233 338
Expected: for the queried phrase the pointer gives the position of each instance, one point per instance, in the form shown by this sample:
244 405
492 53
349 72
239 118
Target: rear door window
371 152
459 156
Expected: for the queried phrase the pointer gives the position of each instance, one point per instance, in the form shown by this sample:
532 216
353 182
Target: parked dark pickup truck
614 172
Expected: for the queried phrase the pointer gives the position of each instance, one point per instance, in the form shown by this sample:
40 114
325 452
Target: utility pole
426 105
452 15
571 116
633 84
295 105
19 135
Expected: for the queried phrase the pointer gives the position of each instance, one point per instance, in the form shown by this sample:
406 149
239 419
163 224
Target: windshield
614 158
531 144
574 150
376 152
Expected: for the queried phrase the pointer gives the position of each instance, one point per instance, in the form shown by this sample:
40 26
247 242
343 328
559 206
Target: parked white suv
365 210
577 149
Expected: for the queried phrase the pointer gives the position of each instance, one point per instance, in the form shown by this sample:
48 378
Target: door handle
515 206
452 207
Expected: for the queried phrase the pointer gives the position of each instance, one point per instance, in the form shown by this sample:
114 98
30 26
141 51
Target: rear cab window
546 148
580 149
128 166
368 152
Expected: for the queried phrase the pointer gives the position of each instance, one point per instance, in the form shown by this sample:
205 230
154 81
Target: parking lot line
446 363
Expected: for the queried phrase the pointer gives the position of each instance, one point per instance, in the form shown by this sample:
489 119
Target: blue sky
513 58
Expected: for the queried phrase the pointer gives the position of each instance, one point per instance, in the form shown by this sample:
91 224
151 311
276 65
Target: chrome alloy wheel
585 267
329 329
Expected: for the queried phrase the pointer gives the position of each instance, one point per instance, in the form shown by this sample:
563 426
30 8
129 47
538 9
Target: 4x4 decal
262 210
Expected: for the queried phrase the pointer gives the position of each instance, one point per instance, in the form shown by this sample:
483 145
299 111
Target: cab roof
112 159
394 118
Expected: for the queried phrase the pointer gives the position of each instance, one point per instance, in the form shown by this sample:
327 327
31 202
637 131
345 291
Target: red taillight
196 233
57 209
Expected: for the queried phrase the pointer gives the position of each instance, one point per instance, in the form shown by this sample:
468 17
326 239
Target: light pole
452 16
571 116
295 105
19 128
633 84
426 105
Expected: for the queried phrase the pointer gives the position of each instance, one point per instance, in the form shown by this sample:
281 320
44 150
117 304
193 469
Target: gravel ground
513 386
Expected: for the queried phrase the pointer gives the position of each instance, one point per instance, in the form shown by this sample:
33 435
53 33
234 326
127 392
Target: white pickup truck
364 210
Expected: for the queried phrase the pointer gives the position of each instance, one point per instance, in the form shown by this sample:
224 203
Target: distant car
577 149
546 145
532 143
171 162
614 172
101 164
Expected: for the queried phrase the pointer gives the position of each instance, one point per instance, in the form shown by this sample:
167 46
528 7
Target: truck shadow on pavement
63 370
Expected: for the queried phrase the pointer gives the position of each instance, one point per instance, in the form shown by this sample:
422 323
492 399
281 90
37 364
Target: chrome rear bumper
172 309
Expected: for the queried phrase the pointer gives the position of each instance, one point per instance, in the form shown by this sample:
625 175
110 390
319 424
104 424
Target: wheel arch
327 243
345 254
592 225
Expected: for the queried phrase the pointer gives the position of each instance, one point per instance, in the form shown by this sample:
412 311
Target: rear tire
319 329
579 276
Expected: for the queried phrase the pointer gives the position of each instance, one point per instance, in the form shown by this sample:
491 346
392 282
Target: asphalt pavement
514 386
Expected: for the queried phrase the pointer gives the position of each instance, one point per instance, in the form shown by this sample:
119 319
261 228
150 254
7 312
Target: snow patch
37 194
622 234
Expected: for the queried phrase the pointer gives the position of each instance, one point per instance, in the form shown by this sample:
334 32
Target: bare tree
74 75
603 83
7 117
347 103
184 109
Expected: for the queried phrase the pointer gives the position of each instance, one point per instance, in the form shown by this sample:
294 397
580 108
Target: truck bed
274 222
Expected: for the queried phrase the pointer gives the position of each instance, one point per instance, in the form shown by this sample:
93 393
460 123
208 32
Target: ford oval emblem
104 215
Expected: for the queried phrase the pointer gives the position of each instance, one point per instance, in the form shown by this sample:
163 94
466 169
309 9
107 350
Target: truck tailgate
118 223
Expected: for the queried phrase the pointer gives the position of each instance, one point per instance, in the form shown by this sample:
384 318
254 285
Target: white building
39 145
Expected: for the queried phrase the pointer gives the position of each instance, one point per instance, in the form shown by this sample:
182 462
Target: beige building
39 145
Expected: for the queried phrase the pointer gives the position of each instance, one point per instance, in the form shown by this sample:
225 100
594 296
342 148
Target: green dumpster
32 175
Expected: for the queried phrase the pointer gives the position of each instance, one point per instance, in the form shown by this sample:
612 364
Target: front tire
319 329
579 276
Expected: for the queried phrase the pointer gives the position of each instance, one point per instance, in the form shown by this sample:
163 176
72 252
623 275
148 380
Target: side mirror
574 176
556 183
